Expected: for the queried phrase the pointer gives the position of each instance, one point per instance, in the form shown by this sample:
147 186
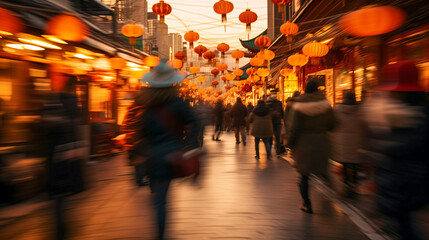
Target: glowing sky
199 16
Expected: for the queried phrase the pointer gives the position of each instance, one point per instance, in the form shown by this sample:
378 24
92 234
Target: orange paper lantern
201 79
194 70
285 72
9 24
200 49
151 61
222 47
191 37
371 21
223 7
175 63
229 76
67 27
266 55
118 63
289 29
251 71
262 42
297 60
161 9
237 54
315 49
256 62
248 17
222 67
238 73
132 31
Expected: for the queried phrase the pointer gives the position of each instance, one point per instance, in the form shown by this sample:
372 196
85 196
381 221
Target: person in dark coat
276 108
163 124
219 112
309 140
261 127
238 114
347 139
249 110
397 144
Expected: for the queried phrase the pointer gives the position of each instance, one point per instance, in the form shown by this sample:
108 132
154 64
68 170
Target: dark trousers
303 189
277 132
218 130
266 142
239 129
160 189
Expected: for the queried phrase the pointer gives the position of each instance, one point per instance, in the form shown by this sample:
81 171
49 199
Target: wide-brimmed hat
162 76
402 76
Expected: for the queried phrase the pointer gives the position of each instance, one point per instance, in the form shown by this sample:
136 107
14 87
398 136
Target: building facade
176 43
156 39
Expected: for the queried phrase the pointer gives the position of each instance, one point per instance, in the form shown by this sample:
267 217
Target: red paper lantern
9 23
223 7
248 17
161 9
215 83
281 4
227 87
200 49
262 42
223 78
67 27
289 29
209 55
251 71
371 21
180 55
215 72
191 37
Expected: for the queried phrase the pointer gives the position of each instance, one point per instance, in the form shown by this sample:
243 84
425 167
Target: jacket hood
261 110
346 109
312 104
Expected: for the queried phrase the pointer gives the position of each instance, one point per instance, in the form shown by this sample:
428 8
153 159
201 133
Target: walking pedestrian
397 143
249 110
204 114
276 108
312 119
261 127
347 139
219 111
238 114
163 123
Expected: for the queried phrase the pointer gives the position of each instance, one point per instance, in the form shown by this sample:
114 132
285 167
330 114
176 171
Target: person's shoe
213 138
244 143
306 208
217 139
257 157
237 142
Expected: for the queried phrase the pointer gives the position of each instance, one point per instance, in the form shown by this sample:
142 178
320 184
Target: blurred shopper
312 118
249 108
347 139
397 143
219 111
163 123
276 108
137 153
60 118
261 127
238 114
205 115
287 119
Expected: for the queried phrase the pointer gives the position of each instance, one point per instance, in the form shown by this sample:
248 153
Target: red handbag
185 164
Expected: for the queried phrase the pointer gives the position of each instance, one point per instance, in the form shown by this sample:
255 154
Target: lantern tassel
223 18
289 38
248 28
237 61
222 55
162 19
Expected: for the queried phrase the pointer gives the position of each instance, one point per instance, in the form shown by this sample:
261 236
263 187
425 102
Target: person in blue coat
165 121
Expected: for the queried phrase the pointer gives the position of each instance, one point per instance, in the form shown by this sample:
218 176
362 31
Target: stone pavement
237 197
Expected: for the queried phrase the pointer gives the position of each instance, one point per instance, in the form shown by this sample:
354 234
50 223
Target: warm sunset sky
199 16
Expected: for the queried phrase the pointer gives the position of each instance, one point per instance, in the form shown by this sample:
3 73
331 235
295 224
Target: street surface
237 197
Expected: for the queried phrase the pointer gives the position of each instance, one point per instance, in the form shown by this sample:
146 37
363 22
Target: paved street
237 197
